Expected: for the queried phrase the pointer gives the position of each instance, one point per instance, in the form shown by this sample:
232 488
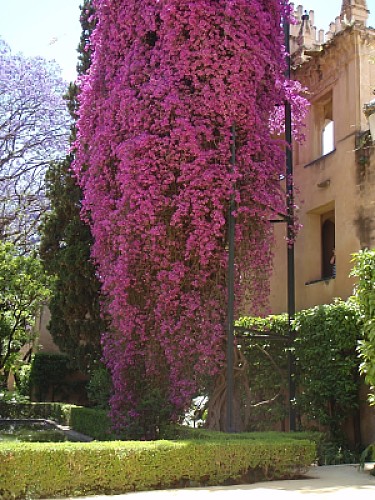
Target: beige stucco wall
343 181
343 70
45 342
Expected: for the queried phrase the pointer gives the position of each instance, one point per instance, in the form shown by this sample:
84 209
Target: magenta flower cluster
169 79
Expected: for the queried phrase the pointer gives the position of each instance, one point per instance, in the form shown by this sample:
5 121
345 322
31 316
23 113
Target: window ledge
317 160
325 280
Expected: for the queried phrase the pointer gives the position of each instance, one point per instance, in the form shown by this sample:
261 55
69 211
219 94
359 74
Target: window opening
328 247
328 142
324 141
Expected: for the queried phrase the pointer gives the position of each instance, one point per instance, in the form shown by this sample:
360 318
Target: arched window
324 126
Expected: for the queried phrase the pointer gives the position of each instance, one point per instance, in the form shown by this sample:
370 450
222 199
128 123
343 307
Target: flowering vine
169 78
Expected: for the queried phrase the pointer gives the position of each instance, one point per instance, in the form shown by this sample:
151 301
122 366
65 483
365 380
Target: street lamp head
369 110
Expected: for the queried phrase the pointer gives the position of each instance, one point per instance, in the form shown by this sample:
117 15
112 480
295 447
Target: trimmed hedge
59 412
37 470
48 372
89 421
92 422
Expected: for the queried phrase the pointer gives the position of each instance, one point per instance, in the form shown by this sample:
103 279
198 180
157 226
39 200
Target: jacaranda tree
169 80
34 128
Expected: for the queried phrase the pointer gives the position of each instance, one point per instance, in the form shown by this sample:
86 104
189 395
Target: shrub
59 412
368 455
92 422
48 372
154 414
99 388
364 269
37 470
23 380
267 370
327 365
331 452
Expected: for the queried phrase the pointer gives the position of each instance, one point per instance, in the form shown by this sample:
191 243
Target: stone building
334 169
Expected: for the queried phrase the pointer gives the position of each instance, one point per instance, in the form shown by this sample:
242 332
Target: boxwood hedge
37 470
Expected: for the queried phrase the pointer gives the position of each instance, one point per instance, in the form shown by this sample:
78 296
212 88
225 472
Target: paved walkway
338 481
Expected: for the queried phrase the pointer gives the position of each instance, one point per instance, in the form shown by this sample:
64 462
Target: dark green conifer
65 244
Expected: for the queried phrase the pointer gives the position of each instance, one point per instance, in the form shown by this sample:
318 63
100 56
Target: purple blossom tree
168 81
34 128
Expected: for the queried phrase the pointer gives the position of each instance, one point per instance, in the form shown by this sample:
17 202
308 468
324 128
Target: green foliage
65 247
334 453
23 287
89 421
182 432
327 364
48 372
7 397
96 423
99 388
65 251
267 370
364 269
7 357
154 414
368 455
92 422
23 380
88 22
15 408
37 470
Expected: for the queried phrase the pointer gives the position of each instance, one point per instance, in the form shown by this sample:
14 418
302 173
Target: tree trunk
242 400
217 406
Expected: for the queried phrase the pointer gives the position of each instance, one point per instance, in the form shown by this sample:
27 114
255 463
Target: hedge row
92 422
37 470
96 423
89 421
59 412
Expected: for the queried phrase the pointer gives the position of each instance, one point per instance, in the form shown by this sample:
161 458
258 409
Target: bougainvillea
169 79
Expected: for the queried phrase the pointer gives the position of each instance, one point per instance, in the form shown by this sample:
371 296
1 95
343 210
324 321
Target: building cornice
323 67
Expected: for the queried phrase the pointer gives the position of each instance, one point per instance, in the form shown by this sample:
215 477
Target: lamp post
230 315
290 234
369 110
290 259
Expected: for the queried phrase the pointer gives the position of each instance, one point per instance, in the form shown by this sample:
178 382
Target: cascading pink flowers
168 80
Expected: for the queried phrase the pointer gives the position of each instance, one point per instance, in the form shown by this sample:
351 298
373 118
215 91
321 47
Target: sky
51 28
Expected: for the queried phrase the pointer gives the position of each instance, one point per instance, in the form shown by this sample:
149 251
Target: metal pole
290 236
230 338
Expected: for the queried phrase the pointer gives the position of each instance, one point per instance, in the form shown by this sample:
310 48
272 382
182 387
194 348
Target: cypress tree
66 241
